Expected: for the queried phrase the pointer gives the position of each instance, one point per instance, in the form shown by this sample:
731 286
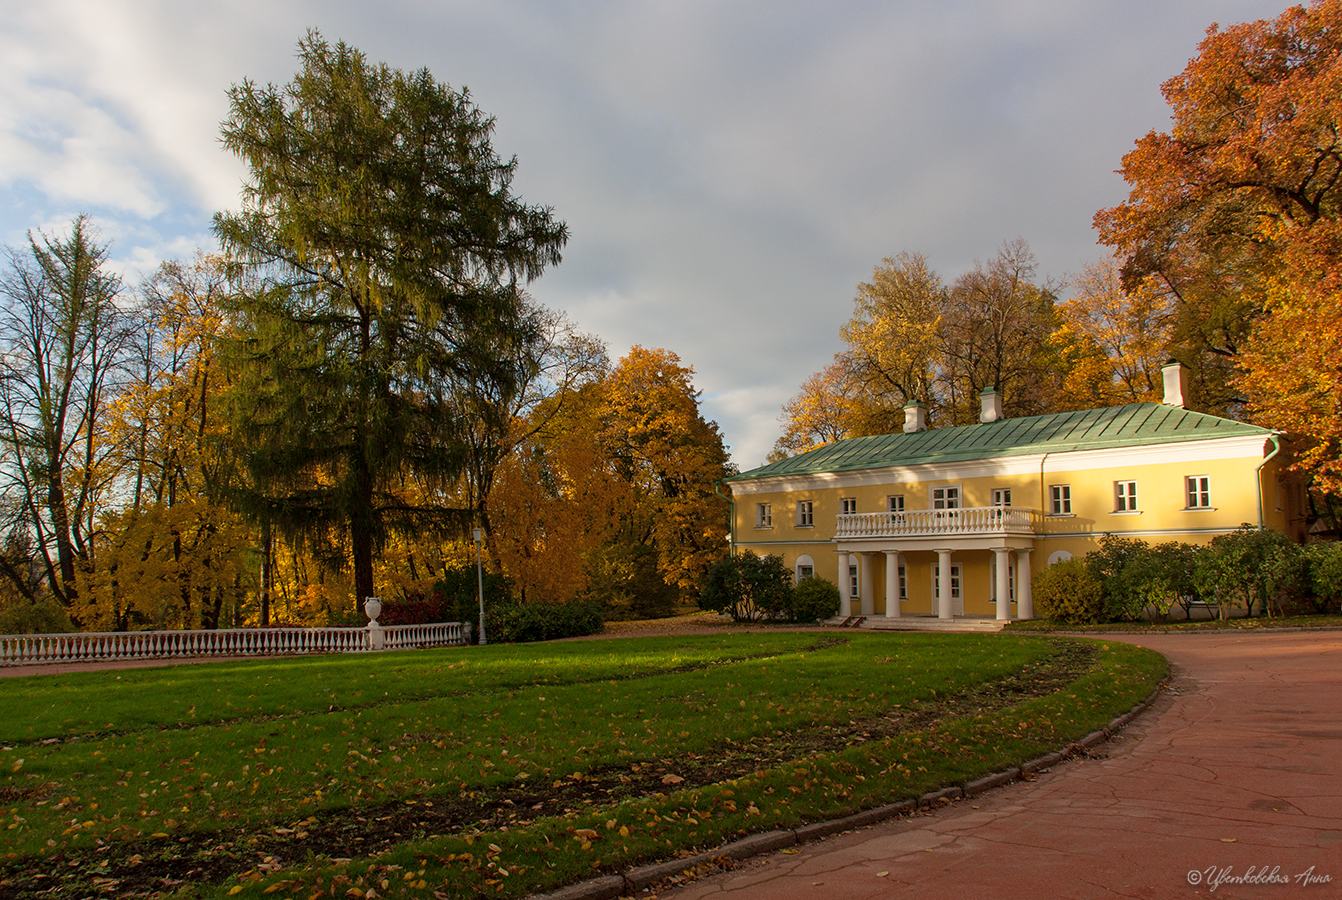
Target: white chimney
915 417
991 405
1174 372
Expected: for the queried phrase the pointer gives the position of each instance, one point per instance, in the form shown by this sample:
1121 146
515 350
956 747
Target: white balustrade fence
30 649
932 522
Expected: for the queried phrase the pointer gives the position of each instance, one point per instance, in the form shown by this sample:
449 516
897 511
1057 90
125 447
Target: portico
904 542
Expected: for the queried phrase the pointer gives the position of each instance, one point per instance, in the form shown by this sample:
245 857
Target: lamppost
480 582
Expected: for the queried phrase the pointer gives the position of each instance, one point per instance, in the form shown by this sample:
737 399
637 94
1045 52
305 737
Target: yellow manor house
900 521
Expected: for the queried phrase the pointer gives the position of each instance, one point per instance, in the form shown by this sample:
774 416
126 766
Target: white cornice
1241 447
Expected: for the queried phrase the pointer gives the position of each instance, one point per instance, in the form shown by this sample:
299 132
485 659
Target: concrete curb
635 880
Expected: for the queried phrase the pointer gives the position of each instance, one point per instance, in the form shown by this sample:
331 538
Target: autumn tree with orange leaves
1234 216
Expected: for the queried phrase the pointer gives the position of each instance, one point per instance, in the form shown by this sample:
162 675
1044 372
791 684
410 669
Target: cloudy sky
729 171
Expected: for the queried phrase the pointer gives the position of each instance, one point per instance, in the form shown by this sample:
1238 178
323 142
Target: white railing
935 522
30 649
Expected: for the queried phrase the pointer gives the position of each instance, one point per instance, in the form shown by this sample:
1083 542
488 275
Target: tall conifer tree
386 253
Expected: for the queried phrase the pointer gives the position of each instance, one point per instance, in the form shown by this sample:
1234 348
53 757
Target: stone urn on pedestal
377 638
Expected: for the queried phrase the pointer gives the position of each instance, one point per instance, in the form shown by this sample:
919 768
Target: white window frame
764 515
1125 497
1198 492
803 569
894 503
951 496
1001 496
848 506
903 582
1060 499
805 513
854 586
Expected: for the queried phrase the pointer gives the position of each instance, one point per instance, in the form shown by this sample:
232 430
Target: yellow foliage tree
175 556
664 448
1129 331
1292 375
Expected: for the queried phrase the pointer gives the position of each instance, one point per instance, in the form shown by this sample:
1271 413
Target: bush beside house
752 588
1257 570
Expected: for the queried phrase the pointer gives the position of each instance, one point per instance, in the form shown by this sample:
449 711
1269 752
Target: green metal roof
1136 424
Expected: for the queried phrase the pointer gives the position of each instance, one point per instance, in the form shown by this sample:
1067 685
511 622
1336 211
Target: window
903 583
848 506
946 497
1199 491
804 569
804 519
1001 496
895 505
852 582
764 515
1061 496
1125 496
955 581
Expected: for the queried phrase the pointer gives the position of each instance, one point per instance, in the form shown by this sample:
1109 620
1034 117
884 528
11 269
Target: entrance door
957 596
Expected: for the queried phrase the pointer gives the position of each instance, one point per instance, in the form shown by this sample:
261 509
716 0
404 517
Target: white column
891 584
864 579
845 587
1003 583
945 607
1024 601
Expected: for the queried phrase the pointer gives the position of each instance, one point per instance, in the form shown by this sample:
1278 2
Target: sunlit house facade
967 514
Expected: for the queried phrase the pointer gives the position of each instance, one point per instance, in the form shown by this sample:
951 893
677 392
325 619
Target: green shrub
1068 592
520 623
1164 576
46 616
1123 567
1249 566
1324 566
813 599
747 587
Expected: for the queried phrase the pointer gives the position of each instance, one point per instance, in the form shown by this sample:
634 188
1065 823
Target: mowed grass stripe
83 703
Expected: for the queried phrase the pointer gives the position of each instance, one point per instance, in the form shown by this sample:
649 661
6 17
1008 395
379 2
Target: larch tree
388 253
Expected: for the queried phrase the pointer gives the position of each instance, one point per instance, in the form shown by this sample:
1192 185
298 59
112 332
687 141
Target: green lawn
504 770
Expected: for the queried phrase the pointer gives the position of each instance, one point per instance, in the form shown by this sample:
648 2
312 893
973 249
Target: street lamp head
476 534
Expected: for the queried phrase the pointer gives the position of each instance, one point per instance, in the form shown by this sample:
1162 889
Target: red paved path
1239 766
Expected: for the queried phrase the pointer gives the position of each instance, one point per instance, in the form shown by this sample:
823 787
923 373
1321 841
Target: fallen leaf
672 779
882 874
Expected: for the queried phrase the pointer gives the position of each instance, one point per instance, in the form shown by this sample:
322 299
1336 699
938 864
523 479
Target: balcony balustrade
937 522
